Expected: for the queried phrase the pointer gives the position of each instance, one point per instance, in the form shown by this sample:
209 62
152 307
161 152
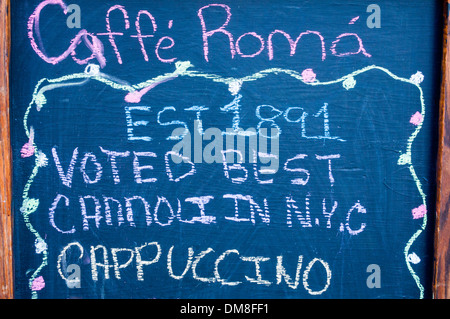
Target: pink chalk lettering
361 48
33 28
207 34
158 47
112 34
292 43
255 35
96 47
92 42
139 35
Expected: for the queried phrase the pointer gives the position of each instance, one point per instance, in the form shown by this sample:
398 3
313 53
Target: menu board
241 149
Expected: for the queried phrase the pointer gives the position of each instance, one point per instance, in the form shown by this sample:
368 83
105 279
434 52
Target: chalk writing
164 44
135 211
104 259
202 191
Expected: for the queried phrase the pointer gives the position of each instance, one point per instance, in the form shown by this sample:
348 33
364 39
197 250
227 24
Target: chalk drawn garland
134 93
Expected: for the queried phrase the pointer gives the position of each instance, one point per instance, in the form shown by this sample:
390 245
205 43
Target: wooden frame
441 282
6 261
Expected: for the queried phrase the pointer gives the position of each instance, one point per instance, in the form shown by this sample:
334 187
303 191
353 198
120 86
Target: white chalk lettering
120 258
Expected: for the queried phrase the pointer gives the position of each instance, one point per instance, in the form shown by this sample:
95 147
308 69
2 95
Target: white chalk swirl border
135 92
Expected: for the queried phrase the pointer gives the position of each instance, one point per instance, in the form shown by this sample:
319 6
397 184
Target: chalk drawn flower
40 101
419 212
182 66
133 97
27 150
38 283
413 258
41 159
234 87
416 119
92 70
417 78
404 159
29 205
349 83
40 246
308 76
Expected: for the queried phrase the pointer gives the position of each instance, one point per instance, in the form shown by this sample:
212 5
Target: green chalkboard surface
237 149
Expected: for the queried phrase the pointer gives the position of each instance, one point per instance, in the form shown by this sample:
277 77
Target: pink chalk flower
419 212
133 97
416 119
38 283
308 75
27 150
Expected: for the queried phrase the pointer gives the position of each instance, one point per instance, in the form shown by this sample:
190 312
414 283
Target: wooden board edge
441 280
6 258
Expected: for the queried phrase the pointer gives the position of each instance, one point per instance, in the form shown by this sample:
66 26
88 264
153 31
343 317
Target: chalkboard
238 149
